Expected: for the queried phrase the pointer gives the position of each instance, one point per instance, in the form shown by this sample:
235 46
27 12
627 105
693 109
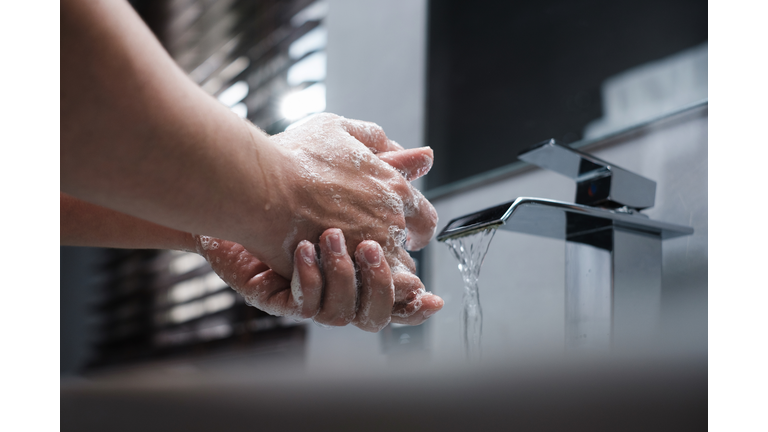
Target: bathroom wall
376 61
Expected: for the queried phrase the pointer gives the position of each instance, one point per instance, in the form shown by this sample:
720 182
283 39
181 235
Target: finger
428 305
412 163
370 134
377 295
407 287
307 282
420 219
271 293
251 278
413 304
419 214
230 260
409 305
339 298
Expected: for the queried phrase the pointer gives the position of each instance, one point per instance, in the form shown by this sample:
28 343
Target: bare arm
134 127
86 224
140 138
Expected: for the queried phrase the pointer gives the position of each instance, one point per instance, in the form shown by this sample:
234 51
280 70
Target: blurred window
266 61
251 55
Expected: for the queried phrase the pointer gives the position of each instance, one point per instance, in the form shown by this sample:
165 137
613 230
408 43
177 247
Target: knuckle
378 133
340 320
399 184
326 116
401 310
399 221
375 327
372 325
307 313
344 272
414 281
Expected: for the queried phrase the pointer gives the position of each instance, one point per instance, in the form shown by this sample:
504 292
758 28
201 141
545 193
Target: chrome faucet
613 252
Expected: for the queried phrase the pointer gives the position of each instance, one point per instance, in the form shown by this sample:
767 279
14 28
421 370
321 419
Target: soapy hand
331 177
346 174
337 302
196 167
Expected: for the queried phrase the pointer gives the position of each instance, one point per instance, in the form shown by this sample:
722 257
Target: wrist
268 210
187 242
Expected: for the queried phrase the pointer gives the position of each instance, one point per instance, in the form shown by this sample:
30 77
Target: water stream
470 250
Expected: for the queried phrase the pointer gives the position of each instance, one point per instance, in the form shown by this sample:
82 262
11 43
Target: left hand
334 303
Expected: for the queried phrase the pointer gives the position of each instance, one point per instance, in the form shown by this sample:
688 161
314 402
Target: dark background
505 75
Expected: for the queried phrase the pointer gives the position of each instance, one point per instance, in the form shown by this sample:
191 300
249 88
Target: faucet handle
598 183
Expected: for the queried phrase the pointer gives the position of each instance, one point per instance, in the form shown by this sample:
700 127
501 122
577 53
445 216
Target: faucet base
612 289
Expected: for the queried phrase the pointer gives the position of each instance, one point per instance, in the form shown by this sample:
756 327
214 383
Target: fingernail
372 255
429 313
308 253
334 243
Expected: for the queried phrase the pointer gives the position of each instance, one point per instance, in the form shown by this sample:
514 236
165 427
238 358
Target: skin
140 139
329 298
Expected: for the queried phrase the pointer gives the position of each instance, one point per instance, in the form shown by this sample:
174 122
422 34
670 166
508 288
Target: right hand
330 177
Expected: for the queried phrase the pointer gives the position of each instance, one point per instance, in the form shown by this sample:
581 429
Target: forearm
86 224
139 137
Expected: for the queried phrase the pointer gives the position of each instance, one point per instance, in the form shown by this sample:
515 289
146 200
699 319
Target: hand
330 177
305 296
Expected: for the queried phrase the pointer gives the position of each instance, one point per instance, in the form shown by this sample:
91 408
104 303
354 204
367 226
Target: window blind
266 61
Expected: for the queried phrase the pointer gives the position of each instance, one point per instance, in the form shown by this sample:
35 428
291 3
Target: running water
470 250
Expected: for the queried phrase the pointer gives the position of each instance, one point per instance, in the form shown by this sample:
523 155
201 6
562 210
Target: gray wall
376 60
